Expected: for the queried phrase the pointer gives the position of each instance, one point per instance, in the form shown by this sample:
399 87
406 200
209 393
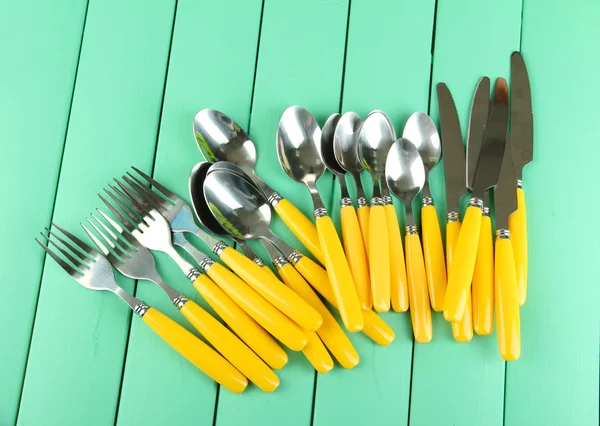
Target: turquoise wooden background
88 88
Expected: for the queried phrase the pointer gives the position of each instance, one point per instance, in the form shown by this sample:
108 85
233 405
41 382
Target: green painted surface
133 104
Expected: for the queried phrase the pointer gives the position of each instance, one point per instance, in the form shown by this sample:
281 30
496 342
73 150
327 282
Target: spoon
259 215
298 139
222 139
374 141
405 176
421 131
340 127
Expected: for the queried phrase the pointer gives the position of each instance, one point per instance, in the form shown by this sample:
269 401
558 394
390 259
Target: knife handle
433 250
420 312
461 270
316 353
517 225
398 280
374 326
508 322
241 323
354 248
363 220
483 279
339 274
463 329
301 226
379 261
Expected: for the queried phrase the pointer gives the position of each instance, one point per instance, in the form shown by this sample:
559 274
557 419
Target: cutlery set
370 269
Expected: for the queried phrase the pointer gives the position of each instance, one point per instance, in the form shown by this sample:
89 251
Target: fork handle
196 351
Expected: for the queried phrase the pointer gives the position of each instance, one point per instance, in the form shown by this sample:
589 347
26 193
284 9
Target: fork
93 271
179 214
152 230
133 260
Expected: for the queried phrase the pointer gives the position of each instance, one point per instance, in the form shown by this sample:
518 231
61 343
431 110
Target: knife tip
501 91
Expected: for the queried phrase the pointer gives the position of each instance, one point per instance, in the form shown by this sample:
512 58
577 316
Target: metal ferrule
376 201
258 261
503 234
485 211
453 217
476 202
519 183
179 301
387 200
295 257
362 202
426 201
320 212
219 247
195 273
280 262
346 202
206 263
411 229
274 199
141 309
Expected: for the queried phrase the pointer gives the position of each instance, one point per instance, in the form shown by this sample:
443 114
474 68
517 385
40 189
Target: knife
485 178
453 153
521 134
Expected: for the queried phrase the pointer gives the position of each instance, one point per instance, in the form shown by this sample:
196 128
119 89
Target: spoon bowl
374 141
405 172
421 131
327 146
345 144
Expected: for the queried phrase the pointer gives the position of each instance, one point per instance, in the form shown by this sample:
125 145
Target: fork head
85 265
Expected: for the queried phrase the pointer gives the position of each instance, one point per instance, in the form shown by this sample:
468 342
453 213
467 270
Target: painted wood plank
300 62
76 360
466 380
187 397
377 76
36 81
556 380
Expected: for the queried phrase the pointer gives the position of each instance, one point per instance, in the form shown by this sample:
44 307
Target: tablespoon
222 139
374 141
298 138
421 131
340 127
405 177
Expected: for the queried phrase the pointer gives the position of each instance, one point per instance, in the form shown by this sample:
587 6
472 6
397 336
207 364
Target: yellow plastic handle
316 353
363 220
330 332
433 249
268 271
340 276
301 226
463 264
356 255
398 280
269 317
508 322
463 329
241 323
483 281
272 289
196 351
232 348
420 310
379 261
375 327
517 225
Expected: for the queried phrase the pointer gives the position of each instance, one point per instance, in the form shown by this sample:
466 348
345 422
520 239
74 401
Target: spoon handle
301 226
379 261
339 274
363 221
398 280
483 280
330 332
508 323
461 270
420 312
196 351
355 253
463 329
517 225
261 342
434 256
375 327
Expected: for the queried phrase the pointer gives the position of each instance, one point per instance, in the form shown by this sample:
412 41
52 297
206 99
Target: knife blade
453 150
505 197
480 108
521 114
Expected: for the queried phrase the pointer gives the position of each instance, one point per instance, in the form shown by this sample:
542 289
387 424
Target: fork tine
132 204
82 246
135 196
133 243
130 224
96 241
117 238
154 183
150 196
73 258
68 268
